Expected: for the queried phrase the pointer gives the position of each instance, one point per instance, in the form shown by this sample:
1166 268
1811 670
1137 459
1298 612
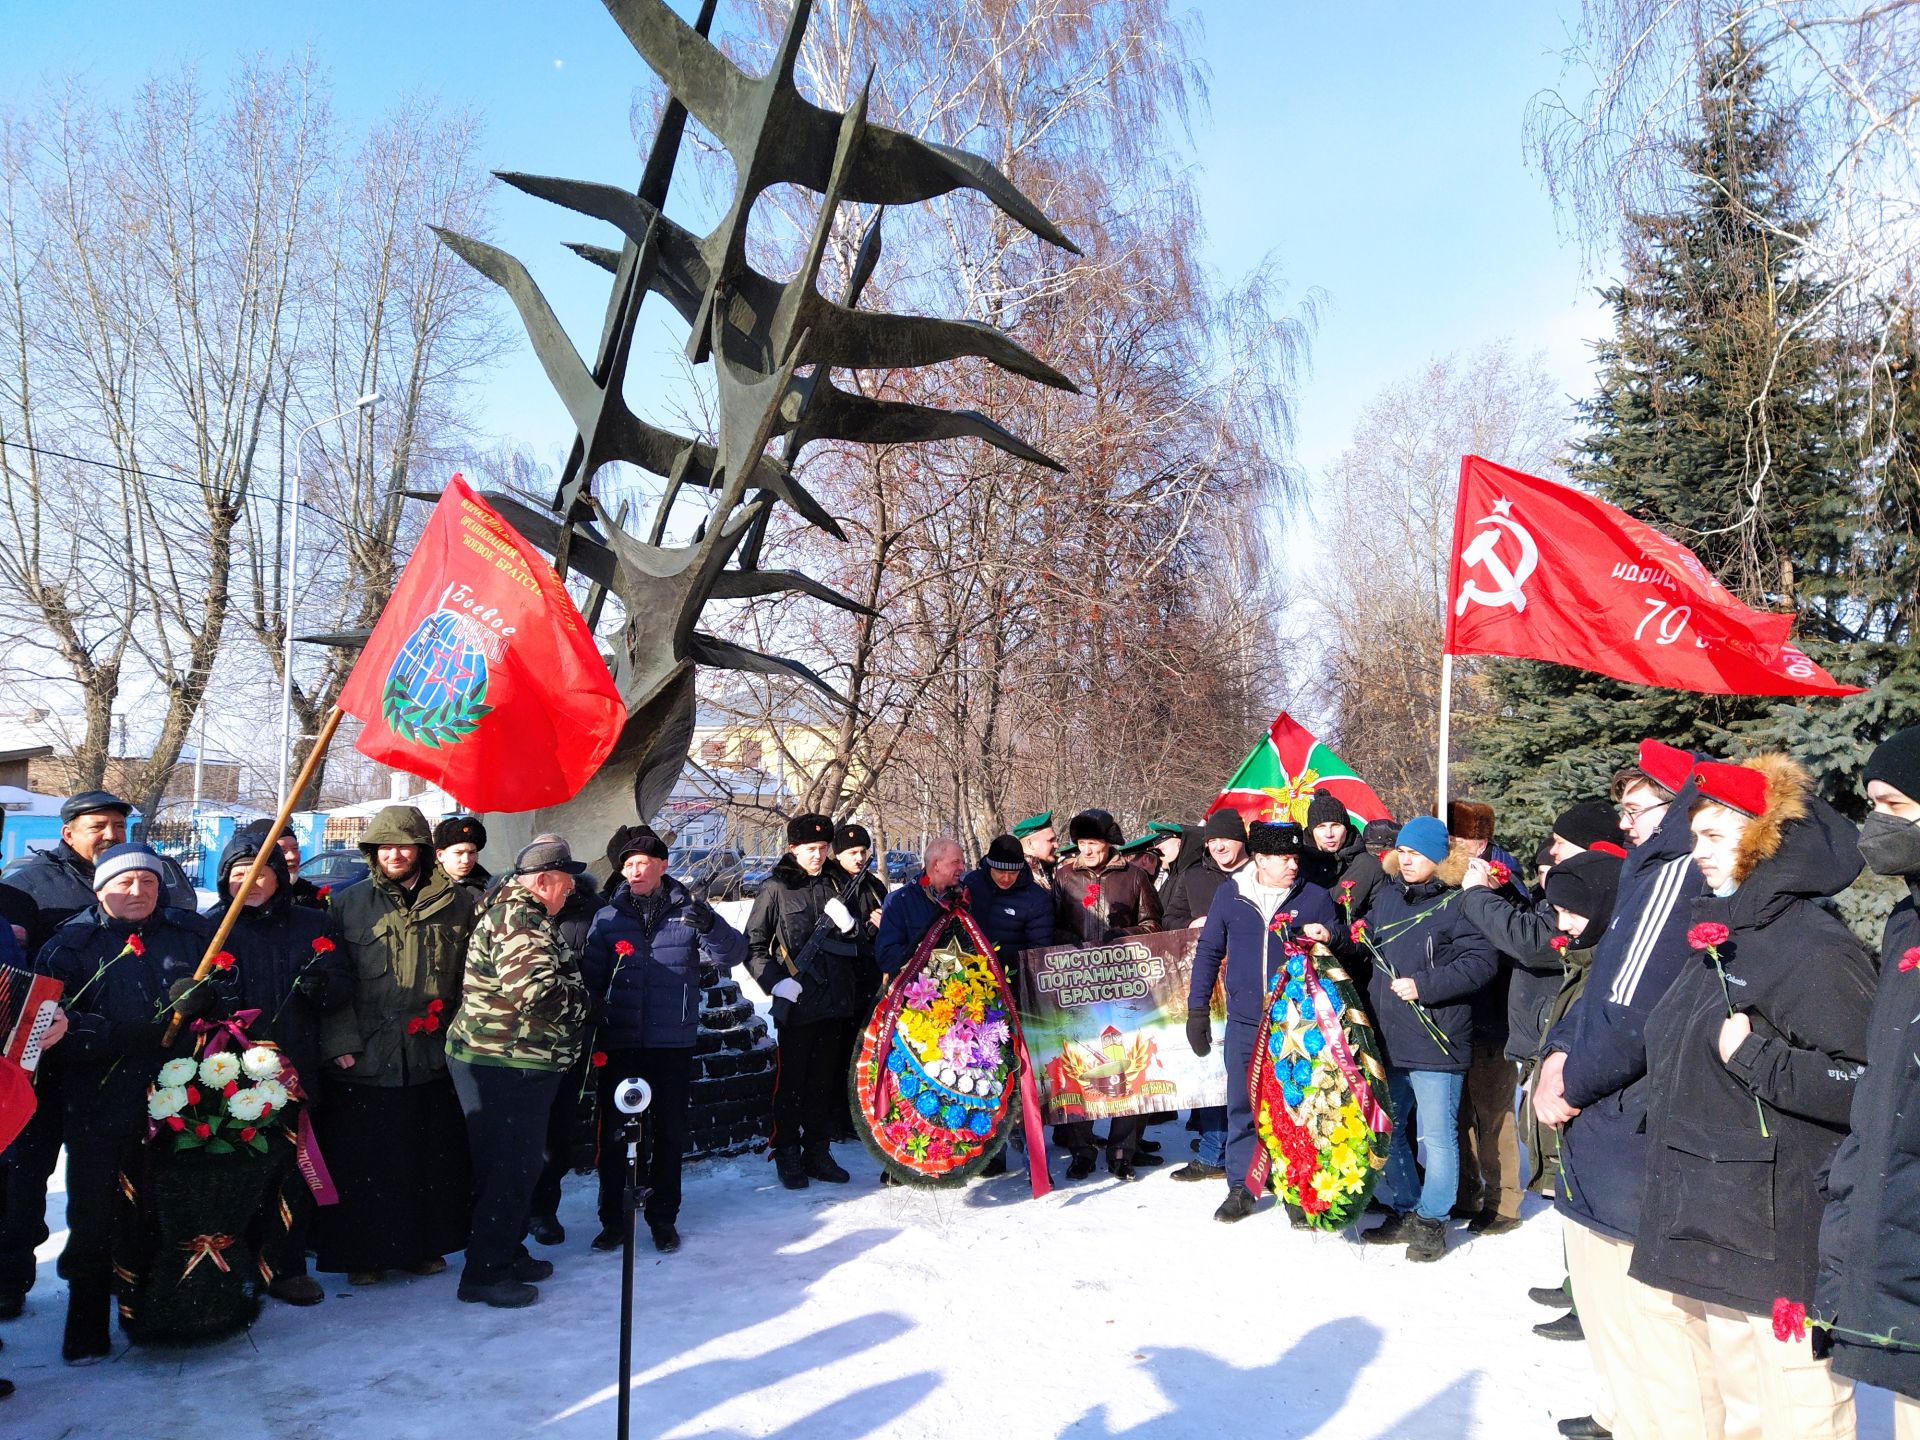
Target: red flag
1544 572
1279 777
481 675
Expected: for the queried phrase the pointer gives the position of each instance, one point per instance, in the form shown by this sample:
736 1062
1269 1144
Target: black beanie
851 837
459 830
1896 761
1326 809
1005 854
1226 823
1587 824
1270 837
809 829
1586 884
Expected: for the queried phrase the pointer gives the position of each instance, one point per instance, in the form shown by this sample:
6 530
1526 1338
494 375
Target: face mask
1890 845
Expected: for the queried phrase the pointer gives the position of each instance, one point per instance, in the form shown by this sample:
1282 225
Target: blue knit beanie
1425 835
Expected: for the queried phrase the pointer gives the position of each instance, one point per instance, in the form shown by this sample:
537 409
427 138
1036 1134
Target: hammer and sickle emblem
1484 553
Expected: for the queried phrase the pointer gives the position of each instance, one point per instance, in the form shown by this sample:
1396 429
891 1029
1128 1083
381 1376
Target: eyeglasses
1634 812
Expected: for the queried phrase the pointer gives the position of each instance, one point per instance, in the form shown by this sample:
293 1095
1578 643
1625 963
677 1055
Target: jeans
1212 1149
1437 1094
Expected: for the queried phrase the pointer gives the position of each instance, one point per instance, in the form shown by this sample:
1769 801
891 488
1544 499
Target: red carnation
1093 895
248 1133
324 891
1706 935
1911 960
1561 942
1789 1319
322 945
623 948
1358 932
136 945
432 1023
416 1025
176 1124
1498 872
599 1060
435 1006
223 961
203 1130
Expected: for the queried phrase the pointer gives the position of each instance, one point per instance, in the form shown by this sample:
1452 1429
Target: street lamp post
365 402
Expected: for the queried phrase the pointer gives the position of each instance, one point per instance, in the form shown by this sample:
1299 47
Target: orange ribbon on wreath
207 1247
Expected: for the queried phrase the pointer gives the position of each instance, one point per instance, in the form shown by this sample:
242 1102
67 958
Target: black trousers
663 1144
804 1083
29 1163
93 1172
1123 1136
506 1111
561 1120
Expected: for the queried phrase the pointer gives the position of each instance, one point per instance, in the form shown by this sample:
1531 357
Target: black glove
700 917
316 989
1199 1032
192 998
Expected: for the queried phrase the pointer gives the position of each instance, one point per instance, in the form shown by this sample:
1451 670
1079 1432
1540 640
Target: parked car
715 872
902 866
334 868
754 872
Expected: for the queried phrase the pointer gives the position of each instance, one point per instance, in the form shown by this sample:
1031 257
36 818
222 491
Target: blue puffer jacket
1237 934
650 999
1015 919
1603 1149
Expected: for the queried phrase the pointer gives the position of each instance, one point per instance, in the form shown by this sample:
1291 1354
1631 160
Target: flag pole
1446 729
260 860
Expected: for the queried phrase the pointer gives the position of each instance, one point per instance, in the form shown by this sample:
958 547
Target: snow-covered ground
844 1311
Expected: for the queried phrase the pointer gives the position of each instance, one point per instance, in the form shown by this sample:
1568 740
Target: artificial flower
178 1072
216 1070
176 1124
247 1106
203 1130
922 990
262 1062
166 1101
248 1132
275 1094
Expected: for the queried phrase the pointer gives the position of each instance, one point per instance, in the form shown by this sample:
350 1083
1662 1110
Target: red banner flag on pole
1544 572
1280 776
481 676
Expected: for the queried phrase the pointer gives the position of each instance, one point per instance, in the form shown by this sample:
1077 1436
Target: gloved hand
316 989
1199 1032
838 913
787 990
192 998
700 917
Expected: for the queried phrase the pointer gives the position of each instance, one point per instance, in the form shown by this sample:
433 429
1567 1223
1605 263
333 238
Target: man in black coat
291 968
1755 1054
127 962
1869 1249
1188 902
1011 910
801 950
59 882
1333 844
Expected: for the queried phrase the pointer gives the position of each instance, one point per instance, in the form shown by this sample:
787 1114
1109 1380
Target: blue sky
1374 150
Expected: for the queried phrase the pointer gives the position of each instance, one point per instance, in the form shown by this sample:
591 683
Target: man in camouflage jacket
522 1010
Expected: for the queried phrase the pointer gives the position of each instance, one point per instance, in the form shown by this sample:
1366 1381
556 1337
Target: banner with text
1106 1026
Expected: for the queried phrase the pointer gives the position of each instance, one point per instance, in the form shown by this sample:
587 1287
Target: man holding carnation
127 963
291 969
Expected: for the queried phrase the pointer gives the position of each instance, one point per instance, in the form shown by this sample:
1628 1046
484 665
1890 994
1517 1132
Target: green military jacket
405 958
524 1003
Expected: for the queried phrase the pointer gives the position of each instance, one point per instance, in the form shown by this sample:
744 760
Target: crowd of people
1705 1070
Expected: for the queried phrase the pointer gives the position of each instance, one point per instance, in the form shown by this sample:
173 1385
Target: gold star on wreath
1293 1034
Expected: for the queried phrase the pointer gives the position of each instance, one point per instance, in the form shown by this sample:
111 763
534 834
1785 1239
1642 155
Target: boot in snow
822 1166
792 1166
1427 1240
1237 1206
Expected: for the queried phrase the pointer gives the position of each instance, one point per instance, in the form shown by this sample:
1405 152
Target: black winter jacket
1239 939
1190 892
113 1050
790 905
1603 1149
651 998
1732 1214
1422 932
1869 1246
273 946
60 883
1524 935
1015 919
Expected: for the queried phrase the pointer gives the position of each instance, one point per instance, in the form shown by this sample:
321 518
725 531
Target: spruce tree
1721 417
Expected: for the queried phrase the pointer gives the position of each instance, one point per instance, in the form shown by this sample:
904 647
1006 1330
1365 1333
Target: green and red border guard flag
1277 780
1544 572
481 675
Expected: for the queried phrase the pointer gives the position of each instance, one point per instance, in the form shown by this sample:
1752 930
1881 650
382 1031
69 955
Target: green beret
1028 826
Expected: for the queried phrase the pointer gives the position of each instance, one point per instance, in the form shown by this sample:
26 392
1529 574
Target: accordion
28 1003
